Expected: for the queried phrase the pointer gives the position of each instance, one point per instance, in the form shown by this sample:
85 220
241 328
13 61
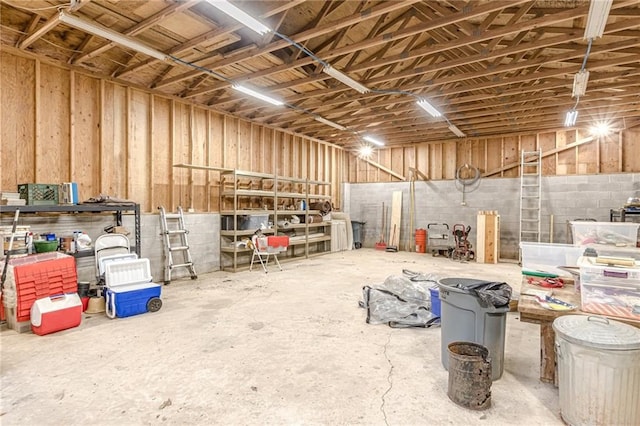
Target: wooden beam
544 154
207 154
33 24
52 22
380 39
38 113
140 27
208 168
375 11
172 150
72 125
129 126
418 173
152 136
381 167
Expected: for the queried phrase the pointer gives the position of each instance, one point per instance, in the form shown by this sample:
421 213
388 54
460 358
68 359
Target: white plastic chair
110 248
262 251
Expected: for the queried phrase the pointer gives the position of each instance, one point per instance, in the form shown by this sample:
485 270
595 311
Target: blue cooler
129 289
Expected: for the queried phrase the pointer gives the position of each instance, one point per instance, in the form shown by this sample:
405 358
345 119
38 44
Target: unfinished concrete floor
251 348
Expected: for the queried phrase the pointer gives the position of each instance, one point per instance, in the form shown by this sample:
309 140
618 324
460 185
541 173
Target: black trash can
357 228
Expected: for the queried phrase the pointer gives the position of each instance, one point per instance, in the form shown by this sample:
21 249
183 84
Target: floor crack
384 413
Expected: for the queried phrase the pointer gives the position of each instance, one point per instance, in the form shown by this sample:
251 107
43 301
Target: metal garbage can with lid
598 370
467 318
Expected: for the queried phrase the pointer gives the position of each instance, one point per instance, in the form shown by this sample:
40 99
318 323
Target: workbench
625 214
531 311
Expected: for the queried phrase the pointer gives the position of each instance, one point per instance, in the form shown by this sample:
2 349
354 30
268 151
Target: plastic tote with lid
598 370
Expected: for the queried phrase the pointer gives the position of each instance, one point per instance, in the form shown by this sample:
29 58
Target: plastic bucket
83 289
421 240
469 375
435 301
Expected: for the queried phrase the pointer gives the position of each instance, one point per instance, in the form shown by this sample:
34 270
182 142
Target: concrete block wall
565 197
204 238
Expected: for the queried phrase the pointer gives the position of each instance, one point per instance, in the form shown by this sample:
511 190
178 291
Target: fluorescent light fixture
330 123
104 32
570 120
373 140
456 131
429 108
257 95
580 83
597 18
345 79
240 16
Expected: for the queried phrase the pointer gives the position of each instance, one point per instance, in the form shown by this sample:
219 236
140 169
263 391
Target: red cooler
56 313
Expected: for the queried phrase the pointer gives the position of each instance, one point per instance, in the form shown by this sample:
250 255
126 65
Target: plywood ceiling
491 67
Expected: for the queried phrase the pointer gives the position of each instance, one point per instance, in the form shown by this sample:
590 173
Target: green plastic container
45 246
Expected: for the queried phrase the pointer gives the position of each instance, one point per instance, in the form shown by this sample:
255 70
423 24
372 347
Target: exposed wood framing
384 169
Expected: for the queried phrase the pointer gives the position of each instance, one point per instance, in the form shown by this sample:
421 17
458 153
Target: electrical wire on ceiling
594 28
579 88
326 65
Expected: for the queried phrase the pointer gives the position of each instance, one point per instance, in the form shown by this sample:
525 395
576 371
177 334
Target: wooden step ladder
174 237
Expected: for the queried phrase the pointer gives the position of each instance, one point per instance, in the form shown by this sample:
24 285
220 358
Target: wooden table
531 311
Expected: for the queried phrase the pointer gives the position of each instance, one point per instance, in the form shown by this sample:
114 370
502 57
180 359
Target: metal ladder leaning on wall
175 240
530 195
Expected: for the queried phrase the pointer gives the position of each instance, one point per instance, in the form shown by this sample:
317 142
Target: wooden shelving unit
251 201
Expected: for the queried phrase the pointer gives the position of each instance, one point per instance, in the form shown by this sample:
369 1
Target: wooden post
547 353
488 241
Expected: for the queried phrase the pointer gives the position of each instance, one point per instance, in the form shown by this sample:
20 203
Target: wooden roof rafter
487 65
384 38
490 35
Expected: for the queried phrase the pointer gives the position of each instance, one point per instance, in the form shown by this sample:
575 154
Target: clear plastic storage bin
543 257
615 234
610 290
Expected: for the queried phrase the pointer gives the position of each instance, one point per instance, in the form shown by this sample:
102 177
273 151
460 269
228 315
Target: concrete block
14 324
620 178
